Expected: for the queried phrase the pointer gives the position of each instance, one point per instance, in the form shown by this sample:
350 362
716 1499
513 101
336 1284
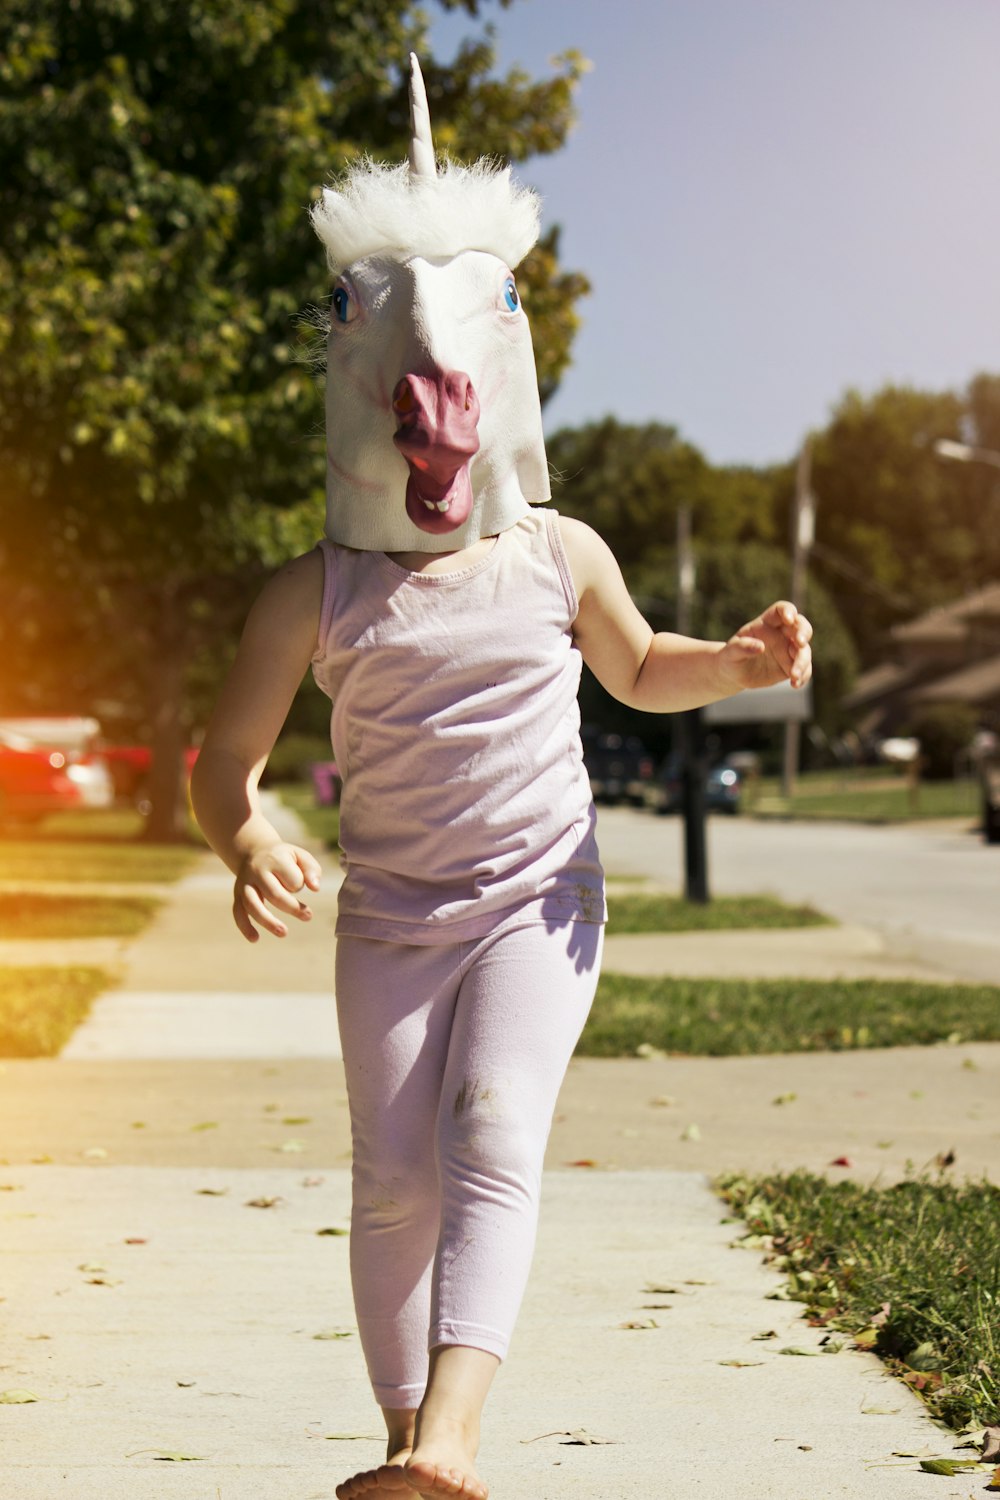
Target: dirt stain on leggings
469 1095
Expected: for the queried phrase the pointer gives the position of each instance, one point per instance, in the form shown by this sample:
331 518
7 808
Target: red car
130 766
48 766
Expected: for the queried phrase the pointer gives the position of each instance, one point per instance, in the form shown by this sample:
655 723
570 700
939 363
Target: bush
943 731
292 757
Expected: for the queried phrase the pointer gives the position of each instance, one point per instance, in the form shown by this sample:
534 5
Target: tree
160 439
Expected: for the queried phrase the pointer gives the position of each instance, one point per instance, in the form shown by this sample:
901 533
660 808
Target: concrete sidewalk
151 1307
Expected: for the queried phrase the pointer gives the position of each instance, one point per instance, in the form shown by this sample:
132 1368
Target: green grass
649 912
922 1257
40 1008
34 915
99 845
743 1017
871 795
322 822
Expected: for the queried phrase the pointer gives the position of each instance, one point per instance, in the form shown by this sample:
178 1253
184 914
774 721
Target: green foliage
748 1017
294 754
912 1270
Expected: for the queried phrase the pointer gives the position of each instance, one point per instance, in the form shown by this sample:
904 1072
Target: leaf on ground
880 1317
662 1101
11 1187
795 1349
584 1161
657 1307
789 1098
185 1385
206 1125
41 1161
166 1455
697 1281
865 1338
16 1398
296 1119
347 1437
333 1333
135 1239
263 1202
333 1231
768 1334
104 1281
841 1161
94 1153
640 1323
291 1146
740 1364
969 1065
880 1411
948 1466
945 1158
578 1437
211 1192
924 1357
994 1483
91 1265
138 1124
991 1445
691 1133
652 1290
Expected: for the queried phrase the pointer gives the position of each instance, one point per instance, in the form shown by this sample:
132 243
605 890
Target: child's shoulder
588 555
294 594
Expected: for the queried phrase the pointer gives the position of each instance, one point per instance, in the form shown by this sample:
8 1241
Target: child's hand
272 874
769 649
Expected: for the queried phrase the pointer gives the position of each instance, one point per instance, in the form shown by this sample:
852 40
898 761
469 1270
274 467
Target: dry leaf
994 1483
739 1364
212 1192
165 1455
579 1436
296 1120
333 1231
333 1333
263 1202
135 1240
585 1161
94 1153
792 1349
945 1158
11 1187
948 1466
16 1398
841 1161
659 1291
785 1098
663 1101
640 1323
769 1334
291 1146
691 1133
91 1265
206 1125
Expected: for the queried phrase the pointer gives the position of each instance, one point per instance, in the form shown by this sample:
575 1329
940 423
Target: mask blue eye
511 300
345 309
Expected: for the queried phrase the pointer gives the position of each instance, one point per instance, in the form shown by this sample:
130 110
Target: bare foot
437 1468
388 1480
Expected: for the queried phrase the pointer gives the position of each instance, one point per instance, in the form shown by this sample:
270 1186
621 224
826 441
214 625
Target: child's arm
278 643
664 673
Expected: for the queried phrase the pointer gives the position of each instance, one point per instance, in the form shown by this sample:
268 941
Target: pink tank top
455 725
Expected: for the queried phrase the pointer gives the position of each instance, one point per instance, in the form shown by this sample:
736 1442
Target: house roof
977 684
879 682
950 622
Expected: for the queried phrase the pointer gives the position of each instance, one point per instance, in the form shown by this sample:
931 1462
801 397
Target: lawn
742 1017
867 795
33 915
99 846
911 1271
648 911
40 1008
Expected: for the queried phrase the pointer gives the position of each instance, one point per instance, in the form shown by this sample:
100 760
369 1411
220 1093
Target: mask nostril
402 398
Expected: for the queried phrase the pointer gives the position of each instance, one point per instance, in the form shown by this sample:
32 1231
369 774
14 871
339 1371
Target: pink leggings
454 1054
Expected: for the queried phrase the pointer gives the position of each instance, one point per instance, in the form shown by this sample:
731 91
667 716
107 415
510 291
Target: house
949 655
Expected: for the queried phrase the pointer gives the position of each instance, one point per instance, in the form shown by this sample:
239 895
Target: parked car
723 789
40 775
619 767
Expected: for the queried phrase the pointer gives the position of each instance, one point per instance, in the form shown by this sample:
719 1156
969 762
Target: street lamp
965 453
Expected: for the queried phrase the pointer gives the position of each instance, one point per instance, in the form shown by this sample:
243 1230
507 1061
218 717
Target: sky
774 200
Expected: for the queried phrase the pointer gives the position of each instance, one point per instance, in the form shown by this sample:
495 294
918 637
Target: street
932 890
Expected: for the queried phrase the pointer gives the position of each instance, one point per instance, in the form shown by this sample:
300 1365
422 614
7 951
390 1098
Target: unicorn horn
422 167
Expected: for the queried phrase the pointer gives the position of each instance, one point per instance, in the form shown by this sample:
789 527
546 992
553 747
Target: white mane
380 208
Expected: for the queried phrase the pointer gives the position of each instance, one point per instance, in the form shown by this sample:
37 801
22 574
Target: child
447 620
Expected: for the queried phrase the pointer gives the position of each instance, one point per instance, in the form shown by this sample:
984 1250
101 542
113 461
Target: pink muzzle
436 434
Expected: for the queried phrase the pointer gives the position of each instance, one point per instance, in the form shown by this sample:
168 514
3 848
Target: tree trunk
167 821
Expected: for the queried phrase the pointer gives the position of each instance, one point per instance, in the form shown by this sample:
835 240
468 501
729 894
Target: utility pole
689 734
803 534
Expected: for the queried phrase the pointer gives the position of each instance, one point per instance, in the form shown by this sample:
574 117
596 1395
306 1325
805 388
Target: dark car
619 767
723 789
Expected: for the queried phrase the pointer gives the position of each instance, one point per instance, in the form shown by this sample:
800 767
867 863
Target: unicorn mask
433 422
